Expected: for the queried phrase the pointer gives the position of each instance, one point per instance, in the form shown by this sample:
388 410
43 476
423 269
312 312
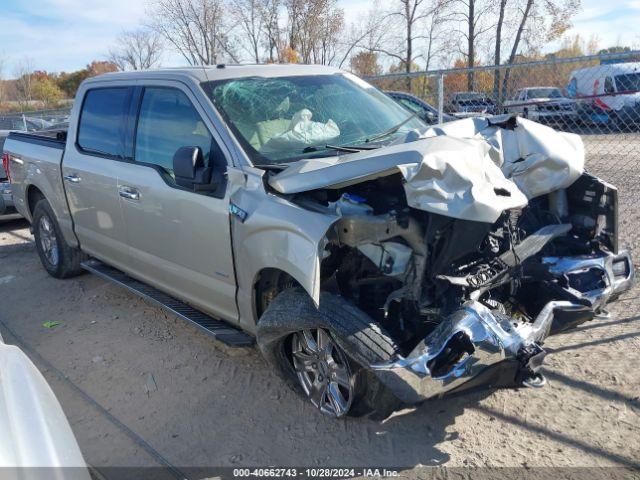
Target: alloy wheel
48 240
323 371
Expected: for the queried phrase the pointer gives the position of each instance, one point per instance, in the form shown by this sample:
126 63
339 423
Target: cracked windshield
280 120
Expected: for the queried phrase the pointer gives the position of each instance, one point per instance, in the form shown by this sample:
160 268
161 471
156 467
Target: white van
610 93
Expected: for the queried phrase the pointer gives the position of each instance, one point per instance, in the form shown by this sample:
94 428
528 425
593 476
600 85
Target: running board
216 328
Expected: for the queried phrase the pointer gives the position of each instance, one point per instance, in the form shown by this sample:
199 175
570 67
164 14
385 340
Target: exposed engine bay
409 269
457 293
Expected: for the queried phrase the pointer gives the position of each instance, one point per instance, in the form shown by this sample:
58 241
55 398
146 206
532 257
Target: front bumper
474 340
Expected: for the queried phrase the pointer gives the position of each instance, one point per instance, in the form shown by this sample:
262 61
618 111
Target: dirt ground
142 388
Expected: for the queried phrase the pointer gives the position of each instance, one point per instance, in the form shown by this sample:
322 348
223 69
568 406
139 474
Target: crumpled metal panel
472 169
537 158
469 187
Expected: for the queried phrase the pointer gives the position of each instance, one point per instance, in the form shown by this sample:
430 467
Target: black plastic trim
37 139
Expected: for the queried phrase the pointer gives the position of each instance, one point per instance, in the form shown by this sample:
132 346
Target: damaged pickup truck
376 260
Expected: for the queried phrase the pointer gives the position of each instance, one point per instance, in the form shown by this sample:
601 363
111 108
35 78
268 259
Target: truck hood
472 169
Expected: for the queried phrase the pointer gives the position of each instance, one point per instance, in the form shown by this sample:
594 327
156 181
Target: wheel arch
33 195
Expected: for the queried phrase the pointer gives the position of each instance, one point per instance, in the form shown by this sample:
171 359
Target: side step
217 328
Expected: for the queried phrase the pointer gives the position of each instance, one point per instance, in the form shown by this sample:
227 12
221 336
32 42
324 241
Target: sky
65 35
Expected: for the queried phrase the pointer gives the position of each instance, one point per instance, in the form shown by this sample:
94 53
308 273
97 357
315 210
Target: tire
355 334
57 257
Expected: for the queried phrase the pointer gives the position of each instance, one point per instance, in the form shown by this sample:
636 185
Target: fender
275 233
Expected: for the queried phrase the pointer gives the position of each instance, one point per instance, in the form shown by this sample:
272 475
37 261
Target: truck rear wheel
323 353
57 257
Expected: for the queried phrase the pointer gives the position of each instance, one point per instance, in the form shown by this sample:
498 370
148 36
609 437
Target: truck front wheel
57 257
324 353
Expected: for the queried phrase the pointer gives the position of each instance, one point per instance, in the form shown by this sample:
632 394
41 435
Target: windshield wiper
272 166
392 130
340 148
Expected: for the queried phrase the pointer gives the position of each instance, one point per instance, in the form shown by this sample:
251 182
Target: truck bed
35 166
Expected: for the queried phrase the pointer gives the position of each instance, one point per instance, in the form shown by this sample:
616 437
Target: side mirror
190 172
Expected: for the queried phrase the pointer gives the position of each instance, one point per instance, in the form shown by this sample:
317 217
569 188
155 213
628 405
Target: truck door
179 240
89 168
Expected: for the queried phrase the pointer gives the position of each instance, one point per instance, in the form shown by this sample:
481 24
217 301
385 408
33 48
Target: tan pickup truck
376 260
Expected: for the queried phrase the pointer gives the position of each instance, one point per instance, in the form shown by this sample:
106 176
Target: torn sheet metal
471 169
535 157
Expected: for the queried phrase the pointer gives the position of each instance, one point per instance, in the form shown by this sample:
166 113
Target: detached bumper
476 346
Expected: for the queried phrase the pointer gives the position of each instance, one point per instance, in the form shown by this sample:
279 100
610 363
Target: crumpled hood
471 169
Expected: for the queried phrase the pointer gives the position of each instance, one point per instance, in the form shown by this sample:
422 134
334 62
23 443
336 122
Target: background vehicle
6 198
302 206
607 94
469 104
543 104
414 104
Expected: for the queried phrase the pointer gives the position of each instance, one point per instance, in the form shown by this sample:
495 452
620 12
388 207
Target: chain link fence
33 120
597 97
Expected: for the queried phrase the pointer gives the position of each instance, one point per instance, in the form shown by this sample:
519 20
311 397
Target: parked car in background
6 198
470 104
607 94
543 104
374 259
416 105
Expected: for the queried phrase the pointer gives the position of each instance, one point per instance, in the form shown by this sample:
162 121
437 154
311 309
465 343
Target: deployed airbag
302 132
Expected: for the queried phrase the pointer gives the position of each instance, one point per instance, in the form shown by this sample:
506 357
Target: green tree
47 91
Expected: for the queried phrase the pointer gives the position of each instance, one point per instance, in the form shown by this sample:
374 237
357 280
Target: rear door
179 240
90 166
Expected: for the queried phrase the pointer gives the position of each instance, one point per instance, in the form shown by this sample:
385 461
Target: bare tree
502 5
314 28
547 19
137 50
472 15
406 28
198 29
366 36
251 18
270 12
24 80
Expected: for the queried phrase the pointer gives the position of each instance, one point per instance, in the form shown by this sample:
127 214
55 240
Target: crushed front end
481 240
475 302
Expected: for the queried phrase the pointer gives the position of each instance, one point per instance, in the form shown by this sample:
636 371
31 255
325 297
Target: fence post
440 97
24 122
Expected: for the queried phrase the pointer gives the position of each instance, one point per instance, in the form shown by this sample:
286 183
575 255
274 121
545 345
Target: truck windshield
629 82
283 119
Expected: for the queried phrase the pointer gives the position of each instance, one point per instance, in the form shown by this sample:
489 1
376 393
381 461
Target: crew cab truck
376 261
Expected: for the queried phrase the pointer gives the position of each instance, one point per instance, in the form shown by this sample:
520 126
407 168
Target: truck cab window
608 86
167 121
101 128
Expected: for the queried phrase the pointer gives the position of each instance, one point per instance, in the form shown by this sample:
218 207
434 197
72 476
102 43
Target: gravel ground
163 391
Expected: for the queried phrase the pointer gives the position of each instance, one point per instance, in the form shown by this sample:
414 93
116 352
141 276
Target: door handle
72 178
129 193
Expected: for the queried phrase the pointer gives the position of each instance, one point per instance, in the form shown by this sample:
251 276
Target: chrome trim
493 337
483 338
129 193
560 267
72 178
